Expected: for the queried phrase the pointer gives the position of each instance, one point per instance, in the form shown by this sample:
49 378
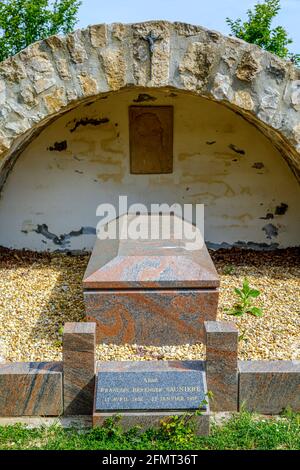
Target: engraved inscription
150 390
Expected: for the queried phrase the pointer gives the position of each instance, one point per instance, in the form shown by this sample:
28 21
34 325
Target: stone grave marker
146 392
155 389
150 292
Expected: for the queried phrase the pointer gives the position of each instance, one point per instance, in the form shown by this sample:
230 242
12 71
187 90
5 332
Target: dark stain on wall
94 101
89 122
281 209
58 146
270 230
144 97
236 149
211 142
268 216
258 165
64 239
244 245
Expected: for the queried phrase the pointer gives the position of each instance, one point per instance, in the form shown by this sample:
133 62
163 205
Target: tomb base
148 420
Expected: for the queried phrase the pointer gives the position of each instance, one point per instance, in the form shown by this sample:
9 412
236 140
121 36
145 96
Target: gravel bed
40 292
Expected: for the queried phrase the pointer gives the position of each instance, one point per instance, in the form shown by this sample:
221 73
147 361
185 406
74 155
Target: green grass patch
242 431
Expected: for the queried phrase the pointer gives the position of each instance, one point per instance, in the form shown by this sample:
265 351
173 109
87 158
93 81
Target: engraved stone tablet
146 390
151 139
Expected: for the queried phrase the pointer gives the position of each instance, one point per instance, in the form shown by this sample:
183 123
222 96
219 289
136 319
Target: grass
243 431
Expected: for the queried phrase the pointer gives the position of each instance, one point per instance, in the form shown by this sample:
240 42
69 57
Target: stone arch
53 76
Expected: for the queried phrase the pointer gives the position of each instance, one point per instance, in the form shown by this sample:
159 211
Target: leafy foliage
242 431
228 270
23 22
257 30
244 302
180 429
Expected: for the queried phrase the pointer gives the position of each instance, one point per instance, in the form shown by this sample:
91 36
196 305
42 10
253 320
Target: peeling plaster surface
50 197
53 76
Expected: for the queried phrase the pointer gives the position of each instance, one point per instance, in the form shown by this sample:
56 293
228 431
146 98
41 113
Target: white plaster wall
61 190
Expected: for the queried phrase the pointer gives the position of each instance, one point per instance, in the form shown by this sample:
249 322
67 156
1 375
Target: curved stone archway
55 75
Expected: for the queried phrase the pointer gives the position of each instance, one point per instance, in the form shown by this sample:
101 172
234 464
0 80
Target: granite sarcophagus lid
155 289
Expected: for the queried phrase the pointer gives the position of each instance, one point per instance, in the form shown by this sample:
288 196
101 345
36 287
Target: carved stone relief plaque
151 139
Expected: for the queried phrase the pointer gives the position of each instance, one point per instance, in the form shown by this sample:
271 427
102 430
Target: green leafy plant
180 429
58 342
112 426
257 30
243 337
60 330
244 301
23 22
229 269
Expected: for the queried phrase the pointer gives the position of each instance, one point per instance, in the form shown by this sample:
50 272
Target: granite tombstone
145 392
150 292
154 389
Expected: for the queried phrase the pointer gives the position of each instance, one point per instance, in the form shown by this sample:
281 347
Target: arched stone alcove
64 133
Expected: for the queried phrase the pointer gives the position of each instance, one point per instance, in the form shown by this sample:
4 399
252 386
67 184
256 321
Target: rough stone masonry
53 76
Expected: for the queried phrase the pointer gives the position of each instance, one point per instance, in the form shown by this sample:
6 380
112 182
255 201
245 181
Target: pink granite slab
269 386
222 365
151 317
31 389
79 368
155 264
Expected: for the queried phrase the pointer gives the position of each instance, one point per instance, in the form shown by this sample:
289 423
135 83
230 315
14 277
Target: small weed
58 342
244 302
229 269
243 337
60 330
180 429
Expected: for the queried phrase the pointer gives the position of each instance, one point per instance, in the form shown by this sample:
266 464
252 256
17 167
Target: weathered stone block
152 419
221 365
269 386
31 389
79 368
